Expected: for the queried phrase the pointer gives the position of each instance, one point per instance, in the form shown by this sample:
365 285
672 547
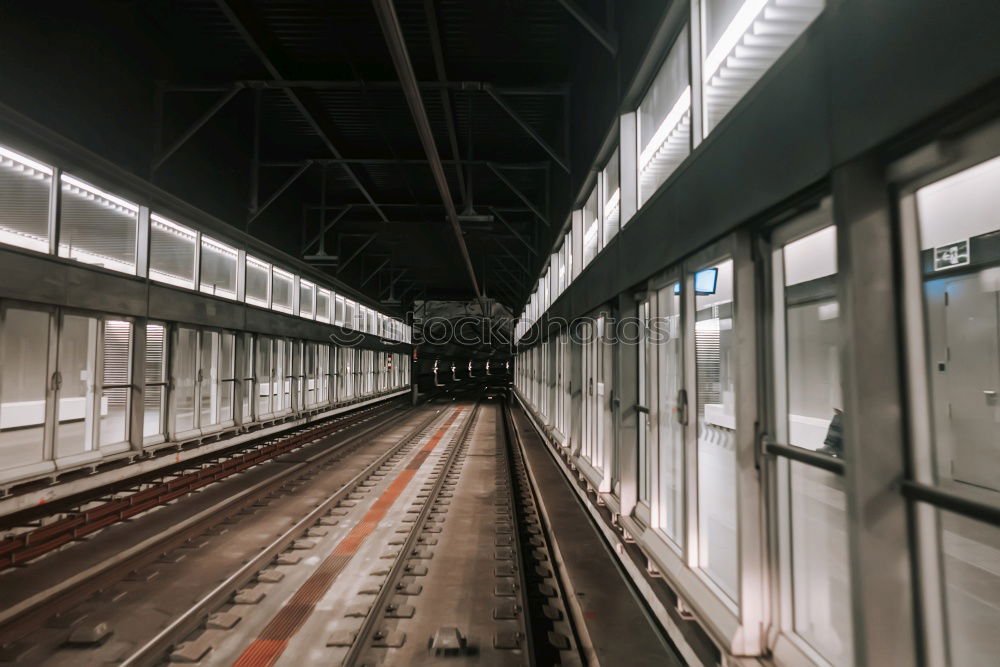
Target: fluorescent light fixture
670 122
738 27
171 227
25 161
87 188
217 246
256 263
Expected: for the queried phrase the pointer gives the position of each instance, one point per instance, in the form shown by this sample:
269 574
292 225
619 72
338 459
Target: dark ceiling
185 92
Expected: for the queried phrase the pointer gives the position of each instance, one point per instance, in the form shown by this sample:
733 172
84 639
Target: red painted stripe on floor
273 639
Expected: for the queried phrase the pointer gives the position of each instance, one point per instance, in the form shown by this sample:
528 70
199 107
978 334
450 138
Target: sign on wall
951 255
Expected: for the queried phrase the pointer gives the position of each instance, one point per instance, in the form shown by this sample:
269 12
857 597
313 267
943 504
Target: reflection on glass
820 571
75 409
671 430
961 284
971 564
715 366
815 407
24 340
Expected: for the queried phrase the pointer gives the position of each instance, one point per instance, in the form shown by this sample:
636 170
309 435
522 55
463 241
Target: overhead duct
404 69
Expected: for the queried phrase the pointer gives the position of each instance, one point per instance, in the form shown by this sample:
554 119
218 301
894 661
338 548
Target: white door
973 381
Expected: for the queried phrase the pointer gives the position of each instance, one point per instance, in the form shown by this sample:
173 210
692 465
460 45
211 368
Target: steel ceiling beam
393 33
513 231
511 166
373 273
520 195
530 131
556 90
367 242
607 37
251 28
442 77
197 125
512 256
325 227
280 191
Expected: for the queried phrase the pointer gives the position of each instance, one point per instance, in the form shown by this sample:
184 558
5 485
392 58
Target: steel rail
363 639
77 586
153 650
20 549
517 520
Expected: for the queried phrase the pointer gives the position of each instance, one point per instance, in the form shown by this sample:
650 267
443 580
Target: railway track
129 556
430 547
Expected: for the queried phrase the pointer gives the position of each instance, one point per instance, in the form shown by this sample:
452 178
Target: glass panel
25 186
664 122
349 315
288 368
97 227
247 388
155 371
612 197
670 371
219 263
117 370
815 408
185 374
262 372
208 374
24 345
742 40
306 292
278 380
77 398
715 366
971 572
820 569
258 282
591 233
323 306
282 284
643 397
960 261
339 314
173 252
227 362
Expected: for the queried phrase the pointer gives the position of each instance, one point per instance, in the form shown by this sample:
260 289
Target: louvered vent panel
708 350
